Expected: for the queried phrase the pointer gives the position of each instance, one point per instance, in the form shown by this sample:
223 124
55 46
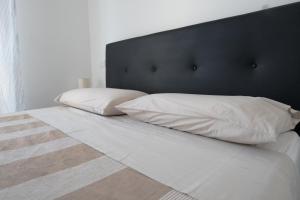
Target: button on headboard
256 54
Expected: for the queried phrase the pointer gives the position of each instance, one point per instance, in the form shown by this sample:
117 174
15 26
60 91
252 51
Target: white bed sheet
204 168
287 143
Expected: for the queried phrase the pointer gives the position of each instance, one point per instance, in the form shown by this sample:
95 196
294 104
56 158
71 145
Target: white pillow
295 113
98 100
240 119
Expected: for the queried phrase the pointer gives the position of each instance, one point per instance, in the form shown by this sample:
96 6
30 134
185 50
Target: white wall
113 20
62 40
54 44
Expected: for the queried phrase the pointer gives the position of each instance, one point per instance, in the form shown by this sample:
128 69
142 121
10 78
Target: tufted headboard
256 54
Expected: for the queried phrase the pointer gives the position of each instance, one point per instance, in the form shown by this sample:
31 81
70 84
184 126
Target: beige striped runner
38 161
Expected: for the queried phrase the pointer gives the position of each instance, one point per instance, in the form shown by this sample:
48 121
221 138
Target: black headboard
256 54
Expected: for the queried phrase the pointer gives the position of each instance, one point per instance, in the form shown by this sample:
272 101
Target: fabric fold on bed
52 165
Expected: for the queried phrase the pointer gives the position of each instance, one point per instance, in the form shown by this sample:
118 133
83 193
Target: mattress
187 166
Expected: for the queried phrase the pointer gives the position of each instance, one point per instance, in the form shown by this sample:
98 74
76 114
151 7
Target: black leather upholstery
256 54
297 129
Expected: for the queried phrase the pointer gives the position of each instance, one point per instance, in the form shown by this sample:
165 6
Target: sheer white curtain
11 93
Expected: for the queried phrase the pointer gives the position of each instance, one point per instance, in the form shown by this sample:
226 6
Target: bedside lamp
84 83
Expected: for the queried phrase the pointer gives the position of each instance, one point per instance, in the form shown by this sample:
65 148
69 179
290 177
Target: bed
67 153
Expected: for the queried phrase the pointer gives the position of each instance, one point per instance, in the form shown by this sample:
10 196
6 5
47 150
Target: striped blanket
40 162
